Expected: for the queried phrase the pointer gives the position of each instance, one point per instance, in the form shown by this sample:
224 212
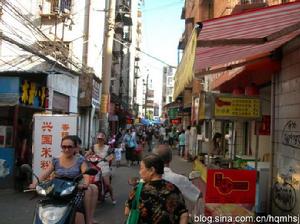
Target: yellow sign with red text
237 107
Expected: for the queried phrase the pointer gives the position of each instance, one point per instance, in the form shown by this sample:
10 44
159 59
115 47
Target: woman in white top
102 150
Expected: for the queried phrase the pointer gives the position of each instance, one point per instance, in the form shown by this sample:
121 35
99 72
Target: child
118 154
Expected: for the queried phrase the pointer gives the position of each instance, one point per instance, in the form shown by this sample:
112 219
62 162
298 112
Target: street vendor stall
228 180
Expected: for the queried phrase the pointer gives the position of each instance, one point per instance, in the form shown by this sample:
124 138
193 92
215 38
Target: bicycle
283 192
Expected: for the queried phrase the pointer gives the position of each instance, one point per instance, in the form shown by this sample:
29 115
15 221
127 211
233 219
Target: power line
58 44
149 55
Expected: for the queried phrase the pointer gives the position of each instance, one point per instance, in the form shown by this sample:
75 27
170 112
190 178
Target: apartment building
47 51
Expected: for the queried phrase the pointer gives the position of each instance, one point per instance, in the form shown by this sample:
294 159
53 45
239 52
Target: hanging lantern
238 91
252 90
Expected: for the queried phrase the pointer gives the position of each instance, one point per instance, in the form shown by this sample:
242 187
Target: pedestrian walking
181 143
187 142
149 138
187 188
130 146
159 200
118 154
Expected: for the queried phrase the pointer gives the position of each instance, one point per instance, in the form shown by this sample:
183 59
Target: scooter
97 179
62 198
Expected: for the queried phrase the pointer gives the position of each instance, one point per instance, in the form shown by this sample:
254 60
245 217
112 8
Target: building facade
270 79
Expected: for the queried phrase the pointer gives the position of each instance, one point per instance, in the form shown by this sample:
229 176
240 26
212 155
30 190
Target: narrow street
17 207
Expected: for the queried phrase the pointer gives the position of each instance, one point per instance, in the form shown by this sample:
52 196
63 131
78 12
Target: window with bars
56 6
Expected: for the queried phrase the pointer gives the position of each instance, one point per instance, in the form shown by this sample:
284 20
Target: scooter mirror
25 168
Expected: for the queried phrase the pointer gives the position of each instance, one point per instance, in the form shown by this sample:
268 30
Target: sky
162 29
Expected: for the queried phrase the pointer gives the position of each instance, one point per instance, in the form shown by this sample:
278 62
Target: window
55 7
60 102
170 81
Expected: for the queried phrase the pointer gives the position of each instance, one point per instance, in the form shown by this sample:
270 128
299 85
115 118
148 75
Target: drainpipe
273 92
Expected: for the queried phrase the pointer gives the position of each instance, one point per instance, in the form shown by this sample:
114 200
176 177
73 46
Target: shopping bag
134 213
133 217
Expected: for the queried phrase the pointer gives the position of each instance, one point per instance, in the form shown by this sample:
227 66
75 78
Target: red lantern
251 90
238 91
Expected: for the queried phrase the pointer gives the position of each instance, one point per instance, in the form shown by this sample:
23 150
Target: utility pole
146 95
107 62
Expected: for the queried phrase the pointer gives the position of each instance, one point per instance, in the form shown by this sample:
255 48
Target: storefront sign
104 103
264 126
33 94
231 186
96 94
237 107
48 132
173 112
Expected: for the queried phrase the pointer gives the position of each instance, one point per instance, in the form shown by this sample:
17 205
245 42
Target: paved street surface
18 208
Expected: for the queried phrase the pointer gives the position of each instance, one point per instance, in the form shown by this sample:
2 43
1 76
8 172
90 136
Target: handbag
134 214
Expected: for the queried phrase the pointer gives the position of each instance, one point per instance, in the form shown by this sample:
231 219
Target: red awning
233 39
259 73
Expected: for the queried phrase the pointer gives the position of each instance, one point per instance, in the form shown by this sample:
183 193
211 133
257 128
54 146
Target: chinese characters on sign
33 94
46 143
237 107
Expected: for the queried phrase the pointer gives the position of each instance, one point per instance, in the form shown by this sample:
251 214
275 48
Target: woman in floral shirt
160 201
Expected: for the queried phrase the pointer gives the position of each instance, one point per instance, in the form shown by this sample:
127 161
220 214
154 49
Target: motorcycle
62 198
94 160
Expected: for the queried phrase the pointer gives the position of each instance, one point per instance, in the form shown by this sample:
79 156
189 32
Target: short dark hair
155 161
165 152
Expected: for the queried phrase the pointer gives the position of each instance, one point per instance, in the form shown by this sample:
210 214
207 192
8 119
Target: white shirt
187 137
187 188
103 152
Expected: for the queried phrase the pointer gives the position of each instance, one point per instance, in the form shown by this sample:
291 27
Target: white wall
287 111
65 84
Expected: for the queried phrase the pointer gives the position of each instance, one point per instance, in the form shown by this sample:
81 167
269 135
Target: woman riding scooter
102 150
68 165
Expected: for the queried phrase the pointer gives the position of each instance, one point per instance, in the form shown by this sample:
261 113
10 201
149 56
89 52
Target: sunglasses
67 146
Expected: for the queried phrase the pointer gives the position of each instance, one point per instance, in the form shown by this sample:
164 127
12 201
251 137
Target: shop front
229 179
21 95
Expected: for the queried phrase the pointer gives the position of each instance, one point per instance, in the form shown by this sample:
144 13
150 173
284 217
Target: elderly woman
160 200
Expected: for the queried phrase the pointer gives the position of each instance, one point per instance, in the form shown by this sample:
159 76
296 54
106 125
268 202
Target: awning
227 42
259 73
184 73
